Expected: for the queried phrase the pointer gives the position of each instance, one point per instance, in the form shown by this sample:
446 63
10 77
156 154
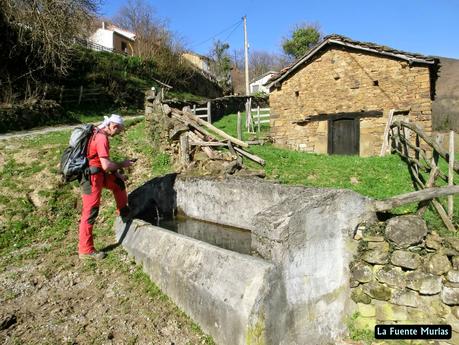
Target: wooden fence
80 95
98 47
423 154
255 117
203 113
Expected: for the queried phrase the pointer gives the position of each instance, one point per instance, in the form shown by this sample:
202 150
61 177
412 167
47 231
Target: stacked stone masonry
404 274
341 80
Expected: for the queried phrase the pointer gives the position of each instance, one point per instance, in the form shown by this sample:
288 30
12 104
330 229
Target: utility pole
246 55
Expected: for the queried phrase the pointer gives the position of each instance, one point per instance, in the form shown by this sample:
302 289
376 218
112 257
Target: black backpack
74 161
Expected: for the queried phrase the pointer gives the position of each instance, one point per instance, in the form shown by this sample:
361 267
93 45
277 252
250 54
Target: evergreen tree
303 38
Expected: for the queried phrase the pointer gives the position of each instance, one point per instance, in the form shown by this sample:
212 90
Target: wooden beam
215 129
334 116
250 156
208 151
207 143
190 123
177 131
420 195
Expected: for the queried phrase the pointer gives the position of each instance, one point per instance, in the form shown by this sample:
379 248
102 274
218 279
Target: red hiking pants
91 191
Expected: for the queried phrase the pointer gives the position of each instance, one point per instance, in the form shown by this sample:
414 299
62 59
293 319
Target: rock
358 296
433 241
455 312
425 283
373 238
455 261
448 251
438 264
451 285
405 231
450 295
366 310
453 242
378 245
376 256
392 276
405 259
406 298
453 322
358 235
453 276
377 291
361 272
390 312
365 323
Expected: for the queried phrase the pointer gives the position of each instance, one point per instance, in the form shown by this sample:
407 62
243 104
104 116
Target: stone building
336 98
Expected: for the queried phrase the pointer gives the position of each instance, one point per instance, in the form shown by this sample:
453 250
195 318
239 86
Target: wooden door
344 136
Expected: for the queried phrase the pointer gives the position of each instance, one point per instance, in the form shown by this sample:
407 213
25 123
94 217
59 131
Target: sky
428 27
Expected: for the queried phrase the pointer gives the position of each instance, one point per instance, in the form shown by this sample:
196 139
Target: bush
32 114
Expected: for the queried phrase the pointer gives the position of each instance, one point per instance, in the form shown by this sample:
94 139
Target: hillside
48 294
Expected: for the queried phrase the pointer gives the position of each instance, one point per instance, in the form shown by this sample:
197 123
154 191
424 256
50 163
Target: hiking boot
93 255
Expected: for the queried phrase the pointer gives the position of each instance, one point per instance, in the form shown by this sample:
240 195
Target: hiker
102 173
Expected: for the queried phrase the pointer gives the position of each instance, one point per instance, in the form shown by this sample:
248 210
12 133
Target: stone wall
340 80
404 274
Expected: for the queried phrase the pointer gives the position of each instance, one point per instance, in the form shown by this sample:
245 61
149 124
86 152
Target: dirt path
44 130
49 296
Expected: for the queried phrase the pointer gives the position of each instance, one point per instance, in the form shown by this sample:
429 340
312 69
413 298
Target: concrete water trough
290 282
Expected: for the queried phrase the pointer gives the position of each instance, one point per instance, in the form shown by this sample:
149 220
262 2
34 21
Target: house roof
343 41
262 76
129 35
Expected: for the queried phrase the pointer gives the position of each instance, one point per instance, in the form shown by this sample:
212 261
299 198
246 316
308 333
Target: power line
233 26
233 31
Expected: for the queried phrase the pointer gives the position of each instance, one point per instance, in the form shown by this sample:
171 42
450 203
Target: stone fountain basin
294 289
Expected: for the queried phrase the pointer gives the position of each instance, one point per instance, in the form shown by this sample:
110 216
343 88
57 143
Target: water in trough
227 237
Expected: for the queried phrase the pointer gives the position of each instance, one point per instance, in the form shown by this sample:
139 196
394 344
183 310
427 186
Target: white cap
114 118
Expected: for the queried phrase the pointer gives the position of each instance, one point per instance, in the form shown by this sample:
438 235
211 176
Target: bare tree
48 27
38 37
152 33
154 40
259 61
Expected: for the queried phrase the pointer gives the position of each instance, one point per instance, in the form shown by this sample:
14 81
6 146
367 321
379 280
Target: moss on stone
256 333
358 296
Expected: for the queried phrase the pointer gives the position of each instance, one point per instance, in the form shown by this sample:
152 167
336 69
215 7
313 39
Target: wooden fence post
258 120
209 117
247 115
61 94
184 150
81 94
239 134
451 173
385 144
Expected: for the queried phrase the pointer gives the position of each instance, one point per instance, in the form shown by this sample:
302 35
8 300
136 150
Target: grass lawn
375 177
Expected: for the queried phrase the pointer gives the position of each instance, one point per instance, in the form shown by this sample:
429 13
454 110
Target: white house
257 84
113 38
